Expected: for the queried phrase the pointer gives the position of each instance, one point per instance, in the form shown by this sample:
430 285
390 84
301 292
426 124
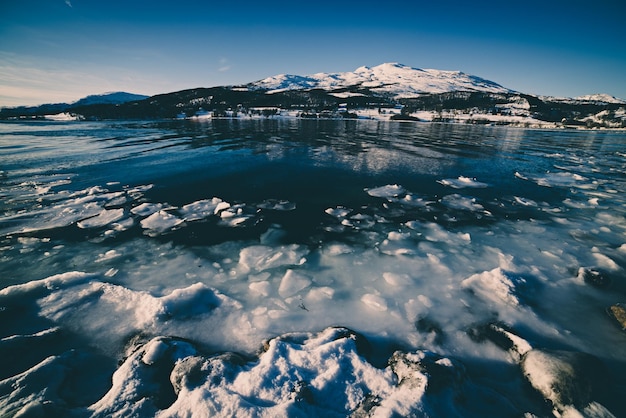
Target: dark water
412 234
322 163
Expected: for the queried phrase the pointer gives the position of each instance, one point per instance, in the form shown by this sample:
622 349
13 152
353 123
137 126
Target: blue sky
62 50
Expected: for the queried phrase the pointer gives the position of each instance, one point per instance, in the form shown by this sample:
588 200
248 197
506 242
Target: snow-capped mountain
390 79
602 98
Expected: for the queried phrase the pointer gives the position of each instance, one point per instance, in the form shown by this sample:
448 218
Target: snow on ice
452 302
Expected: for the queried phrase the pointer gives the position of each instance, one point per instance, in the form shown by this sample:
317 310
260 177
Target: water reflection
358 146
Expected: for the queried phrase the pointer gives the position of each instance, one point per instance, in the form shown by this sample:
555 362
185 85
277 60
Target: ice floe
160 222
202 209
261 257
105 217
463 182
457 201
391 190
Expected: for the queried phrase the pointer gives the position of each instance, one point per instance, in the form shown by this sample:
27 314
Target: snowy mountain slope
389 79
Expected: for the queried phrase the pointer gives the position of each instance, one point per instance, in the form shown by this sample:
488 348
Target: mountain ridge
114 98
389 91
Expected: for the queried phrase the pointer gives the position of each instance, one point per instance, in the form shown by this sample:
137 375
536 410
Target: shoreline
528 123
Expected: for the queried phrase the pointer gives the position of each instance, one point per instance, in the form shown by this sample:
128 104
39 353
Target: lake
285 267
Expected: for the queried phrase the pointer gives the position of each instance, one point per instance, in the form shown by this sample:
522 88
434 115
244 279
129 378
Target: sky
61 50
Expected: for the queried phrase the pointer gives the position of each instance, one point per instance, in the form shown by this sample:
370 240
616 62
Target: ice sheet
214 274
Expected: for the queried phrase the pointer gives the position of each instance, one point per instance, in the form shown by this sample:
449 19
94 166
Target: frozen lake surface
311 268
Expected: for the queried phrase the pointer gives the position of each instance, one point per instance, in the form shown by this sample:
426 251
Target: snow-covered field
310 268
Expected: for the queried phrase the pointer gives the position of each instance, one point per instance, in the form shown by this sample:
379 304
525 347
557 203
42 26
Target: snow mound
495 286
568 379
299 374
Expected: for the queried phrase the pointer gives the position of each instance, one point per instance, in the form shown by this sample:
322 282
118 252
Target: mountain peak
115 97
387 79
392 65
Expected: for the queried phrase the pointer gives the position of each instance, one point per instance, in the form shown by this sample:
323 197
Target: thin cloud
30 82
69 3
224 65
